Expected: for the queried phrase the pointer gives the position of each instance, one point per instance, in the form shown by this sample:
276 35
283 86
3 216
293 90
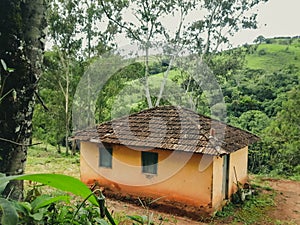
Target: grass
46 159
272 57
253 211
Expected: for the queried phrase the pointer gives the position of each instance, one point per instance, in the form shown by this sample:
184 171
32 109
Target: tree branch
118 23
41 101
20 144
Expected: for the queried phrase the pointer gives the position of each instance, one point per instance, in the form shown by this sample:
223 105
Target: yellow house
167 153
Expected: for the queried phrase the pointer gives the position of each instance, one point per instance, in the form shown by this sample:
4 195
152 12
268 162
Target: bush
262 52
47 209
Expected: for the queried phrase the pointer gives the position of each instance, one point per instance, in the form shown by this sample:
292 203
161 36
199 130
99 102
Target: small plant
46 209
39 210
249 211
148 218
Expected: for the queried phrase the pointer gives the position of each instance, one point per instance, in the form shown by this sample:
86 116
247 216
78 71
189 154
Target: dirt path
287 200
286 210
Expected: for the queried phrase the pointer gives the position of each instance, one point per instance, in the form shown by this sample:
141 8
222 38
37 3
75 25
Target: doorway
225 182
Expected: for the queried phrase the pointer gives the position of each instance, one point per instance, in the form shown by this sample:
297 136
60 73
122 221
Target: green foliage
3 76
260 39
200 36
252 211
45 209
281 137
66 20
50 124
60 181
63 22
37 210
112 88
258 99
254 121
256 92
140 219
273 55
9 214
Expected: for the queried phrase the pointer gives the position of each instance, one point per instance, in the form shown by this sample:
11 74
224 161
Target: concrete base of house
159 203
165 206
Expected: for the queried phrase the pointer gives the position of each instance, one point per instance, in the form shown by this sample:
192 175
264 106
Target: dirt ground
287 200
286 209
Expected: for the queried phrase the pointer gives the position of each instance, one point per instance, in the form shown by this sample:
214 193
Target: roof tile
171 128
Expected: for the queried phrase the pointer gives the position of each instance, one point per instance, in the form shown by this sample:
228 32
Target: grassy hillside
270 57
274 54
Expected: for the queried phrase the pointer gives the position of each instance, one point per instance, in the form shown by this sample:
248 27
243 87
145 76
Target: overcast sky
276 18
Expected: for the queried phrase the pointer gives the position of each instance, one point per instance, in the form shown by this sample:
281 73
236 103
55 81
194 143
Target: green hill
274 54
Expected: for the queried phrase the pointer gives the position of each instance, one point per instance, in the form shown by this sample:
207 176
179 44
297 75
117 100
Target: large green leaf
59 181
44 200
9 213
2 185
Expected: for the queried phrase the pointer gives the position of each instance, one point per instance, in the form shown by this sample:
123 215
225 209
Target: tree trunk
146 78
67 109
164 81
22 27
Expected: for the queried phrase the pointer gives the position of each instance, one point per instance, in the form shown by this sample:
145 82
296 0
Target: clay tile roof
170 128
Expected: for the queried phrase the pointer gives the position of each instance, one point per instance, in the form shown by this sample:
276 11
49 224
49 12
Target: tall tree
96 32
97 40
22 39
205 34
147 27
50 125
281 139
63 23
76 31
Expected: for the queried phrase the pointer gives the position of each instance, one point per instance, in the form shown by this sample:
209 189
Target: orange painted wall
217 195
187 184
239 160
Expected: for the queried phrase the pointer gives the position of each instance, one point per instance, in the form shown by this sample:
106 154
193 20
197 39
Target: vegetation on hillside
260 98
259 83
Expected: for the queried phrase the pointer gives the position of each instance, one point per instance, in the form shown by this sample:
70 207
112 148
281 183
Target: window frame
105 156
149 162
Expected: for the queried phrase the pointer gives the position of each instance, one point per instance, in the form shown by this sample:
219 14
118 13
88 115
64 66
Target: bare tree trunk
65 90
89 50
67 111
22 25
146 78
164 81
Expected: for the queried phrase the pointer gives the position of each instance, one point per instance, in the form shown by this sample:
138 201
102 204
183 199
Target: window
149 162
105 157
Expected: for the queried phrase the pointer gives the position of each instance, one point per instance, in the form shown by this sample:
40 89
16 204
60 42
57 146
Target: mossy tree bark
22 39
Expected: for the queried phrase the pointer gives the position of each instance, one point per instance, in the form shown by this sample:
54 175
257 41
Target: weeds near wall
250 211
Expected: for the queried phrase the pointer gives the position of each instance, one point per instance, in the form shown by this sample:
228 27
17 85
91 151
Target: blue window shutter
105 157
149 162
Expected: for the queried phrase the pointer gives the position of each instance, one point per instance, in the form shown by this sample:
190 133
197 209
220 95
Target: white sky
276 18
